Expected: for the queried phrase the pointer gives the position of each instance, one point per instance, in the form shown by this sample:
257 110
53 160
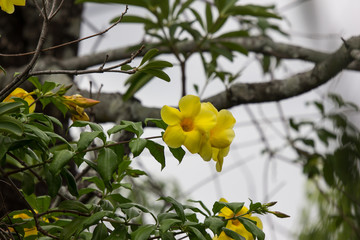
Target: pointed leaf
137 145
149 55
157 151
107 163
61 158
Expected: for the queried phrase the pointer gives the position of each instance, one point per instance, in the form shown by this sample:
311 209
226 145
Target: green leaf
74 227
164 6
178 153
134 127
234 34
209 18
95 218
158 122
35 82
48 86
251 227
61 158
53 182
252 10
215 224
41 135
117 199
157 151
11 125
43 203
235 47
100 232
156 64
28 184
71 182
143 232
149 55
98 182
234 235
197 233
202 205
137 145
138 206
74 205
93 126
107 163
134 19
157 73
86 138
179 209
9 107
166 224
184 6
220 21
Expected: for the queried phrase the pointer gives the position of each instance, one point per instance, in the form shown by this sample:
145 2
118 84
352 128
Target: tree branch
253 44
240 93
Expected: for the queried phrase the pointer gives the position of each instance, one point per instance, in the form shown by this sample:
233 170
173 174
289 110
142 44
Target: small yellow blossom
76 104
234 224
77 113
81 101
9 5
188 125
21 93
200 128
220 137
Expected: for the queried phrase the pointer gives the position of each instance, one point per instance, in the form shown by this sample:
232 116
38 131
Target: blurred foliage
330 155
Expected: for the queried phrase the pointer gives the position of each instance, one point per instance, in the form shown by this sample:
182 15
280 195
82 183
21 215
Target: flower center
187 124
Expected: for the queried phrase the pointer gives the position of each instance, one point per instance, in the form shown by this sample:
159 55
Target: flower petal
206 150
221 138
209 107
170 115
226 119
193 141
205 120
174 136
189 106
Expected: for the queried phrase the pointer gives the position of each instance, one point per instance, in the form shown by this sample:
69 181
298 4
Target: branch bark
261 45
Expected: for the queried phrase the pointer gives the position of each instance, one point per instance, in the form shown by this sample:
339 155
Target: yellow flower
81 101
234 224
21 93
8 5
77 113
217 145
76 104
189 125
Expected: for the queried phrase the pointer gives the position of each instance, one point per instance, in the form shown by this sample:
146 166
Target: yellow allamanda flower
188 125
21 93
217 144
234 224
9 5
76 104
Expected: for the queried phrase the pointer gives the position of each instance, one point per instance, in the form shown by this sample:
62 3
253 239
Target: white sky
244 168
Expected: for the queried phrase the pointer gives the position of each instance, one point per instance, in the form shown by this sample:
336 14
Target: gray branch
243 93
261 45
